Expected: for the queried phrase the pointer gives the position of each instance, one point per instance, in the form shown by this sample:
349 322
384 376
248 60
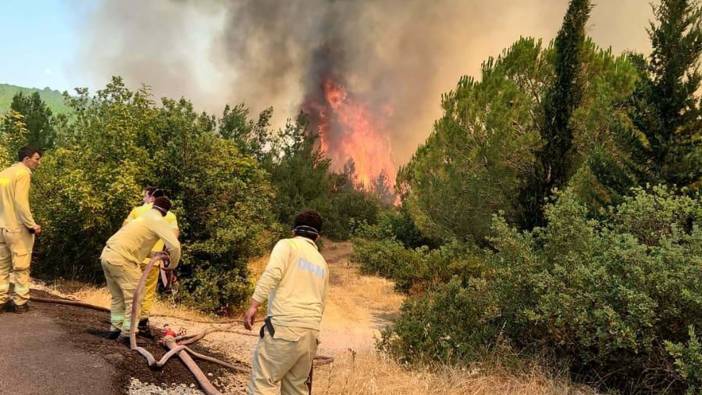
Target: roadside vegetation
551 218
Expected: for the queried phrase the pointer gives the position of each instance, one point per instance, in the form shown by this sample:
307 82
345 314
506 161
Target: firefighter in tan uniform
122 257
150 194
295 283
17 230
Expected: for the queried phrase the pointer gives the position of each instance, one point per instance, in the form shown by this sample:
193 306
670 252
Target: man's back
134 240
295 283
14 197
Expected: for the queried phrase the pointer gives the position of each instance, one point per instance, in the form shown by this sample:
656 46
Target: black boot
21 309
144 330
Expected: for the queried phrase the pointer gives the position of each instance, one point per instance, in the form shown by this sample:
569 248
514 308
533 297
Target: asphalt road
37 357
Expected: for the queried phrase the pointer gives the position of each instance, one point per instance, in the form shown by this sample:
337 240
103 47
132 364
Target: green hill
52 98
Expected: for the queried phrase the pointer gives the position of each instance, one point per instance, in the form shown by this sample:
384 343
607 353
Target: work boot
143 329
113 335
21 309
6 307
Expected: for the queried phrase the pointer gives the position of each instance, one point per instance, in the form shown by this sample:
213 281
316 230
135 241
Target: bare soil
83 331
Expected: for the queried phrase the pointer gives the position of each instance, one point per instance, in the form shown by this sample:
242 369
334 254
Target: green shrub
688 361
119 141
388 258
416 269
604 296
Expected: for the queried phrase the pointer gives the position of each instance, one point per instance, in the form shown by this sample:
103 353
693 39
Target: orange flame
349 130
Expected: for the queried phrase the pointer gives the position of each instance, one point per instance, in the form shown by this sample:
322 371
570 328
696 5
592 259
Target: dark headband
306 230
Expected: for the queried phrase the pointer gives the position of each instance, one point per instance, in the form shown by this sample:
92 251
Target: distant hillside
52 98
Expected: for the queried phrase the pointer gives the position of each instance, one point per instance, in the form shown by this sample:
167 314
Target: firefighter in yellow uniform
122 257
150 193
295 284
17 230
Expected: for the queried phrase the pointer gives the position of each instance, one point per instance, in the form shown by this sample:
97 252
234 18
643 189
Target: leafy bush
117 142
415 270
604 296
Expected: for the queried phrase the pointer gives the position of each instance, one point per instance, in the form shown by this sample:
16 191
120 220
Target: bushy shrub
604 296
119 141
415 270
388 258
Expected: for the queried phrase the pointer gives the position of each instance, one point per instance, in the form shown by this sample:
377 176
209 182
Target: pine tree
37 118
664 107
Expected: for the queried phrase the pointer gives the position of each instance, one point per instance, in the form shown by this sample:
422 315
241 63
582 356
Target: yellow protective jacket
295 284
145 208
14 197
133 242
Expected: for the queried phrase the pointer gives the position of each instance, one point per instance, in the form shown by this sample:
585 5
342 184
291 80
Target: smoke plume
395 57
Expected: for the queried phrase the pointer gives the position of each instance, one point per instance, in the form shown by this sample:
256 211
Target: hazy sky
189 48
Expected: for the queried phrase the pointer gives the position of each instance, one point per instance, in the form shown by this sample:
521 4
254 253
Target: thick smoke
397 53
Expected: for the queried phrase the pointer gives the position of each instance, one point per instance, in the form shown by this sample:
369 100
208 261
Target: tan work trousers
149 289
122 278
15 256
282 363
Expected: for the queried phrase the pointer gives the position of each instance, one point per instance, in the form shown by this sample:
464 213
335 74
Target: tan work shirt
295 283
133 242
145 208
14 197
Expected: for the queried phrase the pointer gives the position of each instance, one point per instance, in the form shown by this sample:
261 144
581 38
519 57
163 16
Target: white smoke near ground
402 54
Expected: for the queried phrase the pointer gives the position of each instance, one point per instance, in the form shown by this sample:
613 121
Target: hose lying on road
69 303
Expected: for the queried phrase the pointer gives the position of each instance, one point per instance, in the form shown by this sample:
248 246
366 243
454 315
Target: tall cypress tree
664 107
562 99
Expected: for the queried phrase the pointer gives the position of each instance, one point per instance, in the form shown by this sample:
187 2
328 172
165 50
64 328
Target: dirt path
38 357
358 306
58 349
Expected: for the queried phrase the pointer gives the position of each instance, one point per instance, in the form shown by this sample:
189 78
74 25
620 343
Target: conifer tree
562 99
665 108
37 118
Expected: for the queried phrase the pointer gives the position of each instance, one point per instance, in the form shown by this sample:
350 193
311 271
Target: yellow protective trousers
282 363
147 303
122 279
15 257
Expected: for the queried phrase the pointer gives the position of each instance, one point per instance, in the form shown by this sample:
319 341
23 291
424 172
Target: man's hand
251 315
164 256
36 229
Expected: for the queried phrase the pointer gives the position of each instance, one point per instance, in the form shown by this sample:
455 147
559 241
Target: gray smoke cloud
401 53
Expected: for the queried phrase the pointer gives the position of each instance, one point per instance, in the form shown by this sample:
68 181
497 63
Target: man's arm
165 233
22 201
269 280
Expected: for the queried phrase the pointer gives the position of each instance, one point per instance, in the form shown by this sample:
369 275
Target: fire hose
170 340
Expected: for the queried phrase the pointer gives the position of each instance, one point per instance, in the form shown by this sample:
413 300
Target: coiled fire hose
170 339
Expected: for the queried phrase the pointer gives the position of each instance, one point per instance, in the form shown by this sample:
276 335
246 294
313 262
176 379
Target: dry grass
370 373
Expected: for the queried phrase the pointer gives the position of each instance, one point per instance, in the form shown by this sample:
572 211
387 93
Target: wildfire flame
348 129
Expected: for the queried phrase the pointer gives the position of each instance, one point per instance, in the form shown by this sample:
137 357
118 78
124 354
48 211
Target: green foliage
13 136
53 99
665 106
37 117
603 296
476 159
562 98
688 361
117 142
390 259
413 270
481 157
